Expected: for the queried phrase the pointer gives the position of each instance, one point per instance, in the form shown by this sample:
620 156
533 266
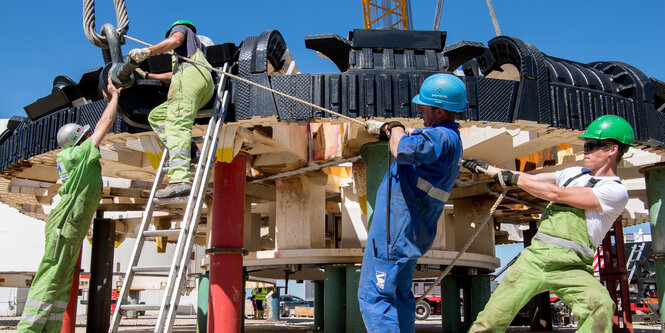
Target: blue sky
45 39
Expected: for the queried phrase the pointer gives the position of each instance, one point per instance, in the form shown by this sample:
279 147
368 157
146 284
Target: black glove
473 163
506 178
394 124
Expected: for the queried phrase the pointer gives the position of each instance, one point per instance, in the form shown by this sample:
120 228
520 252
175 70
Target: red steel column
69 320
226 238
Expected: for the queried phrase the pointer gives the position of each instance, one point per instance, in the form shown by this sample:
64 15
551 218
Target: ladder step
139 269
162 233
139 307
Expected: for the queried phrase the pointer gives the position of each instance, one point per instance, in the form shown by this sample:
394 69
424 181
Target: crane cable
89 22
259 86
467 244
437 15
495 22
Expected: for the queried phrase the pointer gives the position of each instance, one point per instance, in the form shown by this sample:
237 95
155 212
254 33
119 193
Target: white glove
139 55
374 126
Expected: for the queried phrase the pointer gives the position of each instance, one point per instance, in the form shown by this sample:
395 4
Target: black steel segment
366 59
461 52
334 47
241 91
495 99
397 39
367 90
353 96
388 58
270 46
297 85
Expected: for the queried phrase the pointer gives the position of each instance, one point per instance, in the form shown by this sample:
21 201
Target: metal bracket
224 250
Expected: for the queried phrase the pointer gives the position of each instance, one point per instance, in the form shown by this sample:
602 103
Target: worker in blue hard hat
409 203
584 203
191 88
68 223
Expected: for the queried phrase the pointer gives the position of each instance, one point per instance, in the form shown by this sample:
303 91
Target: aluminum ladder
187 232
633 262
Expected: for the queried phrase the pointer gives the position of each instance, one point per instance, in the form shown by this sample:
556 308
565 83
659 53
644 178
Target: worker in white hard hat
67 224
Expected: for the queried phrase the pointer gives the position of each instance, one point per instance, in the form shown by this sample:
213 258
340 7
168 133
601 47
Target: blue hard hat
444 91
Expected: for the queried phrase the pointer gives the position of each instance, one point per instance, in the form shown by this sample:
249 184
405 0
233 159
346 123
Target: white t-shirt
611 195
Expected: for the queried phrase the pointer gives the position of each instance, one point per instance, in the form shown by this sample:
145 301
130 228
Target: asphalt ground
188 324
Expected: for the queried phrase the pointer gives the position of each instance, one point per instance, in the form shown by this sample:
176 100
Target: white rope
308 168
89 21
468 242
464 248
494 20
260 86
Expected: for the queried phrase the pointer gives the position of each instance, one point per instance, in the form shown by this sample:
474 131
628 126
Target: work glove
506 178
374 126
478 166
139 55
394 124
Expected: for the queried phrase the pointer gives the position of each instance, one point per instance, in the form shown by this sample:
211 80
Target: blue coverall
421 177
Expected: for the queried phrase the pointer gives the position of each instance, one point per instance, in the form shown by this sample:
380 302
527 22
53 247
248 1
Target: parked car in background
288 303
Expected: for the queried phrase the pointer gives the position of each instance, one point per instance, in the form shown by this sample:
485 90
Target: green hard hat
610 127
179 22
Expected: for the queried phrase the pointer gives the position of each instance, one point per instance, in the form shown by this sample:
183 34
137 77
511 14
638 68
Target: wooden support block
300 212
468 215
123 156
354 224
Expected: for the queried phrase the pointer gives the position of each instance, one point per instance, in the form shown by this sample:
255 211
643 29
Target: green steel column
334 309
450 307
375 156
318 305
354 320
655 180
480 294
202 304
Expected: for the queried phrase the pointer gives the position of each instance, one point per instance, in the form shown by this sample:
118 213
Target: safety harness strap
565 244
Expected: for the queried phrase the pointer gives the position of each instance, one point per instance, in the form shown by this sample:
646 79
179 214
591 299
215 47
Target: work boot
174 190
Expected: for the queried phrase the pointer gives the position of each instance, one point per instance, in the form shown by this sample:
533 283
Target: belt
568 244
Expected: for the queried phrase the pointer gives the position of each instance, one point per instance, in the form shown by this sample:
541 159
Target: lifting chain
89 22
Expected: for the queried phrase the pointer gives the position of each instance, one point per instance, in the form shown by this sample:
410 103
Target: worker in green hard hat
68 223
191 88
584 203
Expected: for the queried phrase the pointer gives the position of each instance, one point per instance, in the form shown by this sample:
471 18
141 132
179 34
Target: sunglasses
590 146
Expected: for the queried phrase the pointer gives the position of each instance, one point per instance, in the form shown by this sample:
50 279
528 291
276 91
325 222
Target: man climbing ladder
67 224
191 88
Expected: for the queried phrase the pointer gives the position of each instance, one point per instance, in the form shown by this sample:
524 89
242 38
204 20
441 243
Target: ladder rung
138 269
162 233
139 307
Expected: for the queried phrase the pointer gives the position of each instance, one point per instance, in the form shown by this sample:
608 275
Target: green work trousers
191 88
49 292
542 267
